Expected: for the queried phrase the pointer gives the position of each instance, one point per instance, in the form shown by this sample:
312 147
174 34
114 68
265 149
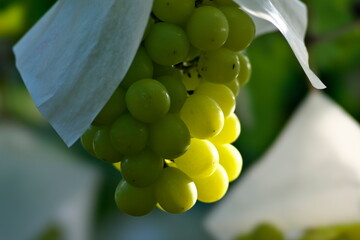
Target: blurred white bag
310 176
42 186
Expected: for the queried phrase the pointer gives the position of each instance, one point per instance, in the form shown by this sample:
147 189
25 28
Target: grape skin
173 11
207 28
169 137
134 201
103 148
175 192
147 100
203 116
167 44
219 66
222 95
143 169
214 187
128 135
200 161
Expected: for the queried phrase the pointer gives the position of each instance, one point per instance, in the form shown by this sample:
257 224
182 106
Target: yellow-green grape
176 90
190 78
207 28
140 68
203 116
351 231
170 163
112 109
219 66
142 169
230 132
167 44
226 3
87 139
221 94
245 69
214 187
117 165
241 28
134 201
103 148
128 135
200 160
169 137
267 231
230 158
159 207
175 191
234 86
173 11
147 100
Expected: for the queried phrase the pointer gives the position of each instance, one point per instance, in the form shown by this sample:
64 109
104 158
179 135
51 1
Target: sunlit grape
175 192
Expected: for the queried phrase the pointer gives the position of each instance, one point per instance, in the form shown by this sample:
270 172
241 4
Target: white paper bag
309 177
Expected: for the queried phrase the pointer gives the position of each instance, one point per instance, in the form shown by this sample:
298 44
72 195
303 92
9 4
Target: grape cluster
169 125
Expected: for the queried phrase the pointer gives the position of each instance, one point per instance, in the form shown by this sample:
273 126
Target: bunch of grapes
169 125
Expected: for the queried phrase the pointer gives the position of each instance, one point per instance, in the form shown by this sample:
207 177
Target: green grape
241 28
206 3
193 53
169 137
245 69
267 231
203 116
175 192
200 160
176 90
173 11
231 160
244 237
207 28
103 147
140 68
161 70
190 78
134 201
221 94
128 135
167 44
214 187
149 24
147 100
219 66
230 132
142 169
226 3
234 86
112 109
87 139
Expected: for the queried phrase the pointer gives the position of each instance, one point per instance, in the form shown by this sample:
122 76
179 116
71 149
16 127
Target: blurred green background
277 87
